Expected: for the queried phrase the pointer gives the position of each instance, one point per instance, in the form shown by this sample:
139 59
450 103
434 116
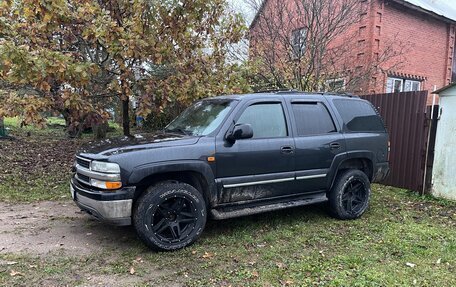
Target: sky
245 9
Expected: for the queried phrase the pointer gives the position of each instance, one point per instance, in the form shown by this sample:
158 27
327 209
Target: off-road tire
154 211
350 194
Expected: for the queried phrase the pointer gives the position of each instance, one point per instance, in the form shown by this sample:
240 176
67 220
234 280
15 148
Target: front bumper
110 207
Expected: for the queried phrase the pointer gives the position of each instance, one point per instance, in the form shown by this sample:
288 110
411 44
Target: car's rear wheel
170 216
350 194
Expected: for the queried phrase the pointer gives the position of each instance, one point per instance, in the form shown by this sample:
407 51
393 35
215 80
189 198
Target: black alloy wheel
173 219
170 216
350 194
354 196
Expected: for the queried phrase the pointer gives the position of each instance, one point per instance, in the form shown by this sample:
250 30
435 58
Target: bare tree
314 45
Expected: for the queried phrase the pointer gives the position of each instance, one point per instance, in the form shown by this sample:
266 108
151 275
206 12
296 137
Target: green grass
17 189
55 128
297 247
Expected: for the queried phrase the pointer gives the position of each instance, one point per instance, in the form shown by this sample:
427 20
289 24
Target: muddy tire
350 194
170 216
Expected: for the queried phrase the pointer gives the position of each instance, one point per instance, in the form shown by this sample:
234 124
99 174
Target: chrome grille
83 178
85 163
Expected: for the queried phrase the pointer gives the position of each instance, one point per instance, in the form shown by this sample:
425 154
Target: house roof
257 14
437 8
444 88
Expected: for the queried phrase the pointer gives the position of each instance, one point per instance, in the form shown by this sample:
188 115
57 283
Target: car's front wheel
350 194
170 216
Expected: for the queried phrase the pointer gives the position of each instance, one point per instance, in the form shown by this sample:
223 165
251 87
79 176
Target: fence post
432 111
2 128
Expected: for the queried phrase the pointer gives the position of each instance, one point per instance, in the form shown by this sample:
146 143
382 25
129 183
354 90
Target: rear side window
312 119
359 116
267 120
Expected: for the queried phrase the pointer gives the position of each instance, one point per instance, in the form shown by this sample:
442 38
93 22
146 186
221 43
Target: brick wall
425 44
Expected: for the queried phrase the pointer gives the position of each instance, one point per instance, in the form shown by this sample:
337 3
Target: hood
113 146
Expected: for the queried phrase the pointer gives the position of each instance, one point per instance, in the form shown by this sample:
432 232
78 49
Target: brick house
428 61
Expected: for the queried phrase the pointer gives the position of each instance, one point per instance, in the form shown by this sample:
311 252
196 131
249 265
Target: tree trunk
125 116
99 130
71 130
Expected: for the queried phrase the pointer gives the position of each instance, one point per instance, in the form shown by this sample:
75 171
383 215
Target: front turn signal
106 184
113 184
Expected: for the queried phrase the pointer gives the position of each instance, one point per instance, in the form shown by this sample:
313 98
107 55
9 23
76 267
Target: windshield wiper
178 130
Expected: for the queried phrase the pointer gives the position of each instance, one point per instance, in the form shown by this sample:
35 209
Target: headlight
105 184
106 167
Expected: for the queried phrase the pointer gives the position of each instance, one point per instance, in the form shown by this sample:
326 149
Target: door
262 166
317 141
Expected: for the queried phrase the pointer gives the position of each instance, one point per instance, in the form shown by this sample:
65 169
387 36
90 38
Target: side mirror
240 131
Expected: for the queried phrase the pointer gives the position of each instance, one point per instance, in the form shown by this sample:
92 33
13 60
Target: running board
224 213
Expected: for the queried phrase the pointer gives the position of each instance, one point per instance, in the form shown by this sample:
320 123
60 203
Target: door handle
334 145
286 149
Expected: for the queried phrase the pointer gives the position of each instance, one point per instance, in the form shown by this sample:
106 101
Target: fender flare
341 158
141 172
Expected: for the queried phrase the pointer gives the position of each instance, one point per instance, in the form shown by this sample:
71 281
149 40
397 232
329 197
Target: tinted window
267 120
312 119
359 116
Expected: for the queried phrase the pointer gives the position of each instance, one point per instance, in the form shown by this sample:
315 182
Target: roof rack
349 95
290 91
276 91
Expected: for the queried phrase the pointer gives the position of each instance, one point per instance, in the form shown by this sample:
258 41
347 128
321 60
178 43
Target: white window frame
411 85
334 80
402 86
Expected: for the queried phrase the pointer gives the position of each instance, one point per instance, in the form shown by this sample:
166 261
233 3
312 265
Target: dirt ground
60 229
44 227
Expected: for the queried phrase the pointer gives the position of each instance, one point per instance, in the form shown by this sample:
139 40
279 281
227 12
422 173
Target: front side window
267 120
359 116
202 118
298 41
312 119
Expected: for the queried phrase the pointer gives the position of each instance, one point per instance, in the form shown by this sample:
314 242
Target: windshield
202 118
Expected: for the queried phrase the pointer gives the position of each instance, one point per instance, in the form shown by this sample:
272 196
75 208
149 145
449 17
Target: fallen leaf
194 252
255 274
438 261
16 273
132 270
208 255
286 282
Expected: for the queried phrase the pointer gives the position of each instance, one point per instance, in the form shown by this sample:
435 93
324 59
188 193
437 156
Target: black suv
235 155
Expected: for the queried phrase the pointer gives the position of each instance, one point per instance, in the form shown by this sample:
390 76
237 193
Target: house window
298 42
395 85
335 85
